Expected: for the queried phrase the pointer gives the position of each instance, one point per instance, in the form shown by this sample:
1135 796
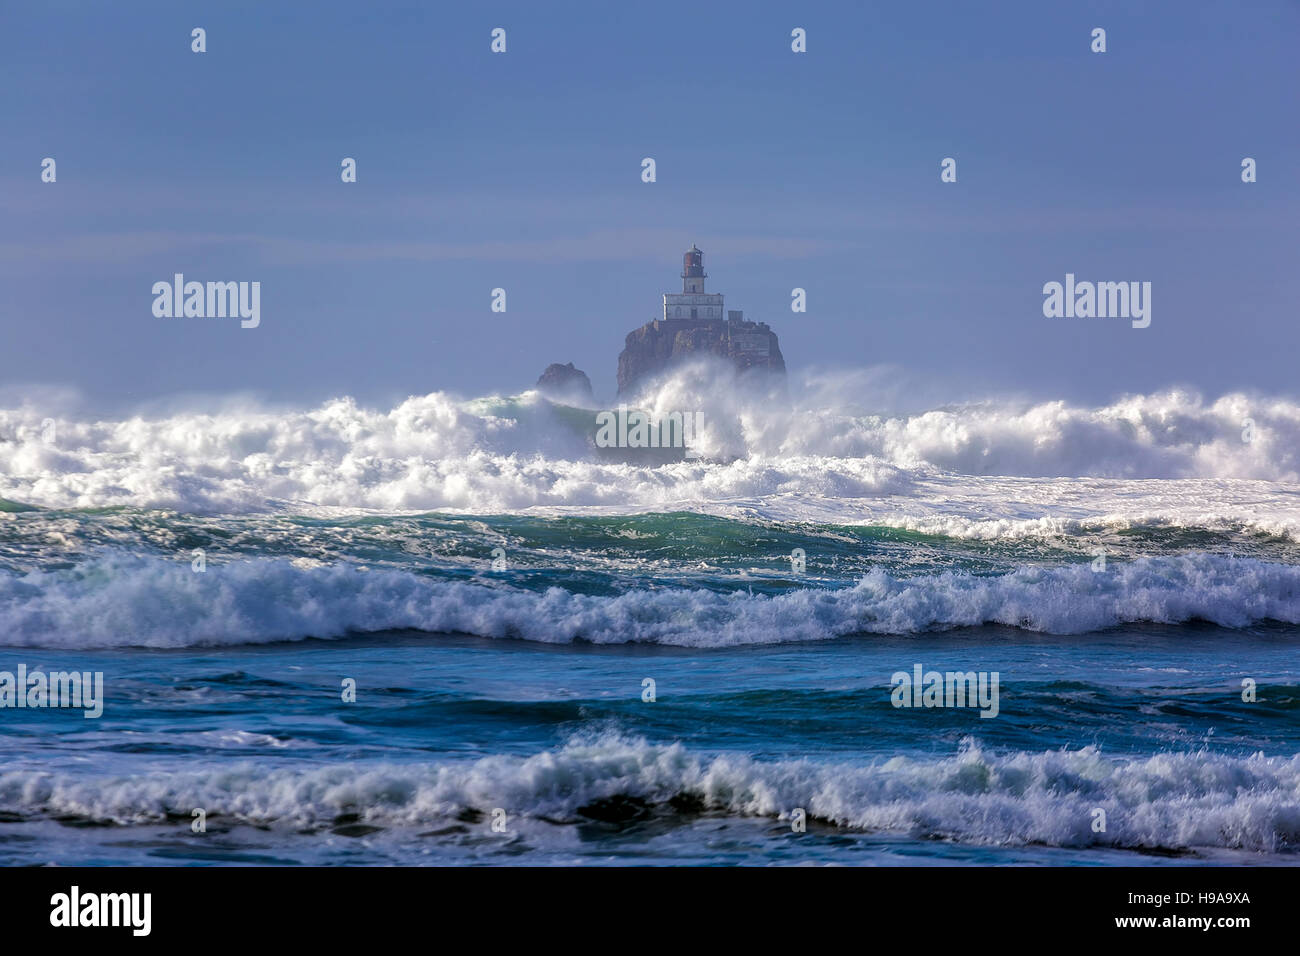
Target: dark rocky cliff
659 345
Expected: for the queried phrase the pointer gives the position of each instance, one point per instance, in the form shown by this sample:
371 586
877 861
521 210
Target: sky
522 171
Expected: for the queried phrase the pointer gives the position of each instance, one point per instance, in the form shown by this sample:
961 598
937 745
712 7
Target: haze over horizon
523 171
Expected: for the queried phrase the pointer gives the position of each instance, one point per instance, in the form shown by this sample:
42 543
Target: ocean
443 633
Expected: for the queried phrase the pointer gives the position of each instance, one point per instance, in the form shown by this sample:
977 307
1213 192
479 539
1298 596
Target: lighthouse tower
693 274
694 302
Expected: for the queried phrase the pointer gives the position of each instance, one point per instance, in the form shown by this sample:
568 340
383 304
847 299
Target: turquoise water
518 694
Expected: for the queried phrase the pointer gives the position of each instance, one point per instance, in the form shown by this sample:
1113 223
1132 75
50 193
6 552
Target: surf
127 600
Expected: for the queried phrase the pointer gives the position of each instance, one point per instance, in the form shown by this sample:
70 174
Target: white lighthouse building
693 302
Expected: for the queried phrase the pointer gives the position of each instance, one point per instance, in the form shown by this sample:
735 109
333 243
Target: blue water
224 693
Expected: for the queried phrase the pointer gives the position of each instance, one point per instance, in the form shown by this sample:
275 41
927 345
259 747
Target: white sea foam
118 600
1168 800
988 469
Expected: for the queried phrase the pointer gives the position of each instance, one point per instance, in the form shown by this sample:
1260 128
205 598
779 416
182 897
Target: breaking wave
506 454
116 600
1175 801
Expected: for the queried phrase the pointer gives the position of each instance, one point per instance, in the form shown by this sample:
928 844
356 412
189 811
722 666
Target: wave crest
1168 800
119 600
498 454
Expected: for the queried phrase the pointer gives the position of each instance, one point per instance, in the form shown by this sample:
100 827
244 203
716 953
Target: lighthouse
695 326
693 302
693 274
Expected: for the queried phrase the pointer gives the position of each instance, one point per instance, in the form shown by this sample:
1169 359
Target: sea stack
694 324
566 384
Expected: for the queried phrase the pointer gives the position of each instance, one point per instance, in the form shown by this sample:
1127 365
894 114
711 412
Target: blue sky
522 171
